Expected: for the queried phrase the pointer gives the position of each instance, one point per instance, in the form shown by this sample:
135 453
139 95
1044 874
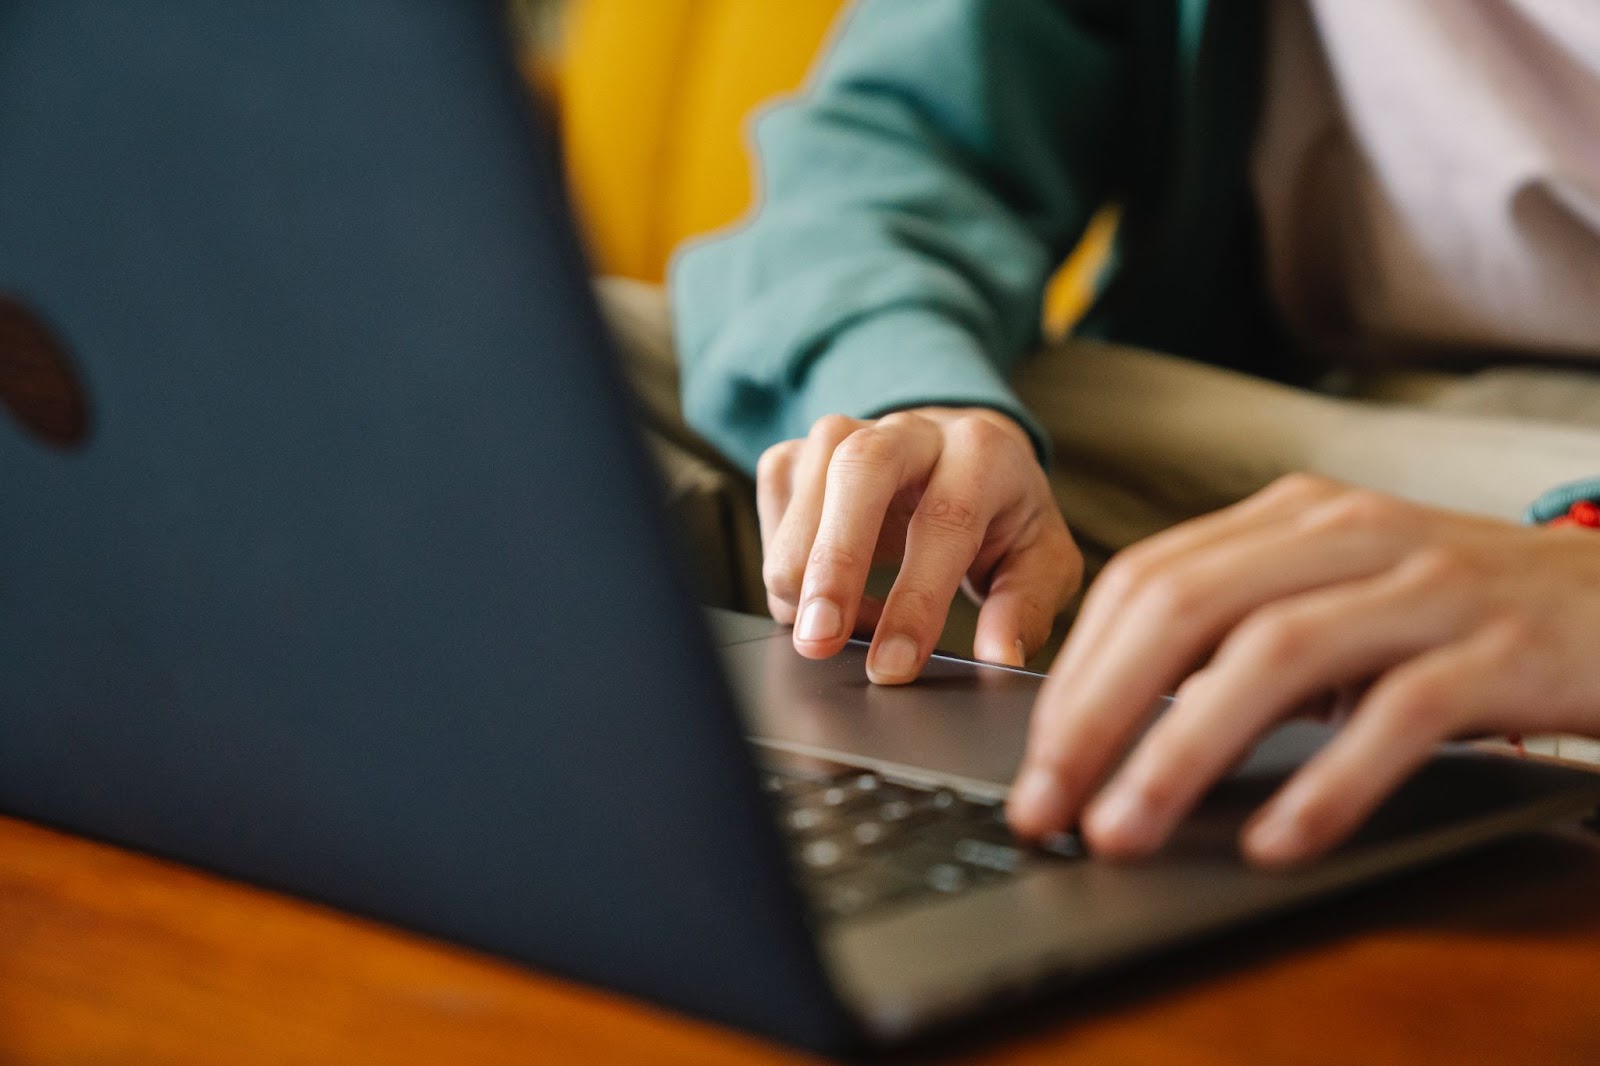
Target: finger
1084 722
774 487
1284 498
963 494
1452 690
1271 665
869 469
784 566
1026 591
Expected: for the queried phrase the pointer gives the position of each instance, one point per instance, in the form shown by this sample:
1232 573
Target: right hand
956 495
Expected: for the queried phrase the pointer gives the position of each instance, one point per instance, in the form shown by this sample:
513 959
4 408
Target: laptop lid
304 573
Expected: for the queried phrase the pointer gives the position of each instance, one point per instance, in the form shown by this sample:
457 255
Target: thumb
1027 590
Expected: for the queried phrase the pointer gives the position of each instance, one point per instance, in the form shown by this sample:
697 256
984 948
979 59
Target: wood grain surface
112 957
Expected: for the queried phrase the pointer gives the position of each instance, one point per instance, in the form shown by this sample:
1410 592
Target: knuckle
950 513
973 432
1126 570
976 434
1170 595
1443 567
1304 484
1122 577
919 604
831 428
781 578
1275 637
870 447
828 558
1356 511
902 420
776 462
1297 488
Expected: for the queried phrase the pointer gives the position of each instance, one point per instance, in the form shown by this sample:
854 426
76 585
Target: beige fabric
1143 441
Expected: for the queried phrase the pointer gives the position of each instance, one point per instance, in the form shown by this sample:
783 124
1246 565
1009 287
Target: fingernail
1275 838
895 660
821 620
1121 822
1016 655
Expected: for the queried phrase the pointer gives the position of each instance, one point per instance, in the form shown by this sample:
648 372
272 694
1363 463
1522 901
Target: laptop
330 561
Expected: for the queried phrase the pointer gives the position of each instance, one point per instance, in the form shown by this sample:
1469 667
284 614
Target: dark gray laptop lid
355 587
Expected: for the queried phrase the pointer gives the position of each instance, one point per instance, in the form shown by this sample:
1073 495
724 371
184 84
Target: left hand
1455 625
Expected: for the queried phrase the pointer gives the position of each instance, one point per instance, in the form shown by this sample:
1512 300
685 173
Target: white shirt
1428 176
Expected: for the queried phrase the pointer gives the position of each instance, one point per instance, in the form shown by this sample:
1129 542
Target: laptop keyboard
865 842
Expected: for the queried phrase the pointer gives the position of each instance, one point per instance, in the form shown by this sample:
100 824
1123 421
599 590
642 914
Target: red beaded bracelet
1583 513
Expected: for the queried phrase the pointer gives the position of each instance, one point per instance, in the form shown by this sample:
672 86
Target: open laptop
329 560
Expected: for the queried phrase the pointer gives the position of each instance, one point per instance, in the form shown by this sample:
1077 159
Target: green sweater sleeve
912 205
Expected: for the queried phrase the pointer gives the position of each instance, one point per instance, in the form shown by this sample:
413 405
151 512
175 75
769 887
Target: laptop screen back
349 582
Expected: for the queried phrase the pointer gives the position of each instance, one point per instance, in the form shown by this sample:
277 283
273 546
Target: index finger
1084 721
867 470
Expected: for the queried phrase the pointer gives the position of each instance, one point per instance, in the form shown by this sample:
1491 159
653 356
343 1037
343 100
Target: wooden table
112 957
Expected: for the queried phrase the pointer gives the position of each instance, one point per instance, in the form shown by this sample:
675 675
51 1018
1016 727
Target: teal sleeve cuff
885 361
1556 502
908 358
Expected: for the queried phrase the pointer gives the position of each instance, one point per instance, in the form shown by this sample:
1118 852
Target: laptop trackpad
962 720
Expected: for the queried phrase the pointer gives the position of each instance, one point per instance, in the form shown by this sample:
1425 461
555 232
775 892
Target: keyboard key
825 854
805 819
869 833
1001 858
946 877
865 842
1066 845
896 810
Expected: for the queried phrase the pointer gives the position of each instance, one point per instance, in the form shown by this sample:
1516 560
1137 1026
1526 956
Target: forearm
913 205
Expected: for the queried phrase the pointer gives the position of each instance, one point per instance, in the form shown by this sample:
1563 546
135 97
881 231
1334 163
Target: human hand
1459 626
955 494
